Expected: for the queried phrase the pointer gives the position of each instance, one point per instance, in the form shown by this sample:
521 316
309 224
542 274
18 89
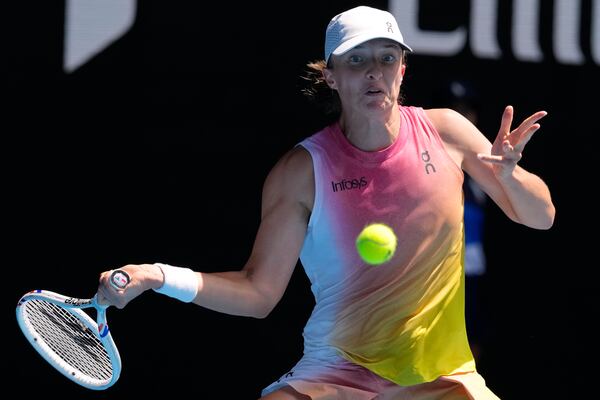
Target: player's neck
371 134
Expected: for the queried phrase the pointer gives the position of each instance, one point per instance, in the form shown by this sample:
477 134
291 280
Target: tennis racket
68 338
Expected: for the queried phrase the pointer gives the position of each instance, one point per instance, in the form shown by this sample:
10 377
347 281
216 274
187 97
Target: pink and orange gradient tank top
403 320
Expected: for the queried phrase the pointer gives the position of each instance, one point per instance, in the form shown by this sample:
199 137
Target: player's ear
329 79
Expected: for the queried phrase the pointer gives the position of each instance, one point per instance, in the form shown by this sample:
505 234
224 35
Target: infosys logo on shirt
349 184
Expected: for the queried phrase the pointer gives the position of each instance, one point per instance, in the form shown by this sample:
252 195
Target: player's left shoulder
443 118
452 126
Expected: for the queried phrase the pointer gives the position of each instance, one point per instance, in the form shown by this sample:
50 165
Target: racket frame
99 327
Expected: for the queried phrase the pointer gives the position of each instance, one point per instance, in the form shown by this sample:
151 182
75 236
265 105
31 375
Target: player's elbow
262 314
265 296
547 222
266 300
541 226
544 221
262 310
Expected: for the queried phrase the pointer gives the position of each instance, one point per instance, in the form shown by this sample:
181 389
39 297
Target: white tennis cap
358 25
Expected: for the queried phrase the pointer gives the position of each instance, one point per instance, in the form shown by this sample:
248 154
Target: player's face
368 77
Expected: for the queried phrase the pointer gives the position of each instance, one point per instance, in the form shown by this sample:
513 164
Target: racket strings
69 338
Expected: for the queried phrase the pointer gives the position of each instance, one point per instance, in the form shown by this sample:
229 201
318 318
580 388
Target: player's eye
389 58
355 59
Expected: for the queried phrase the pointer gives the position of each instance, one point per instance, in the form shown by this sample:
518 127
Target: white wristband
179 283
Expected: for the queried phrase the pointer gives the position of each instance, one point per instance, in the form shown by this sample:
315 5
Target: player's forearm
231 293
529 198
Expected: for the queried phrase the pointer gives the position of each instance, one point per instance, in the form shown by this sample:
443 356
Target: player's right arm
286 206
254 290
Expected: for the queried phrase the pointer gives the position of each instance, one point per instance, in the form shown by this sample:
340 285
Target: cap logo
389 25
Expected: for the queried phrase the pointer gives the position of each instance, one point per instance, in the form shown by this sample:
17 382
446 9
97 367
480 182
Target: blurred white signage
525 28
91 26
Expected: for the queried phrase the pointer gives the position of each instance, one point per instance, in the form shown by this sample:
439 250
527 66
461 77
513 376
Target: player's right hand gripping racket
69 339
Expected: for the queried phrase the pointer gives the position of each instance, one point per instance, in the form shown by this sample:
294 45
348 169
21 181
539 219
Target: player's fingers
104 280
526 137
509 153
507 159
101 297
527 124
107 295
490 158
507 117
534 118
103 276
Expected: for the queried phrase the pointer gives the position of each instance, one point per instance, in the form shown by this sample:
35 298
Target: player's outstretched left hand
508 147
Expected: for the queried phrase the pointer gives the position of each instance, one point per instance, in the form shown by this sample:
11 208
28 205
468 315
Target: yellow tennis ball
376 243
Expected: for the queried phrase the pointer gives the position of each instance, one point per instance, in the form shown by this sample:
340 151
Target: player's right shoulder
292 177
296 163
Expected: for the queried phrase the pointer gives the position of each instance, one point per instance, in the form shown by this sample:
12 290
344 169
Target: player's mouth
373 92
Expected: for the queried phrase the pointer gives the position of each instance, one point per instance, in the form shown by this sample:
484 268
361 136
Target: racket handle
119 279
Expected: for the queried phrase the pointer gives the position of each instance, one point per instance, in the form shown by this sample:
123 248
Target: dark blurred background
143 131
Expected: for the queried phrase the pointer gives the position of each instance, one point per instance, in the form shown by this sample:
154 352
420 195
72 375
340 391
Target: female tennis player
396 330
